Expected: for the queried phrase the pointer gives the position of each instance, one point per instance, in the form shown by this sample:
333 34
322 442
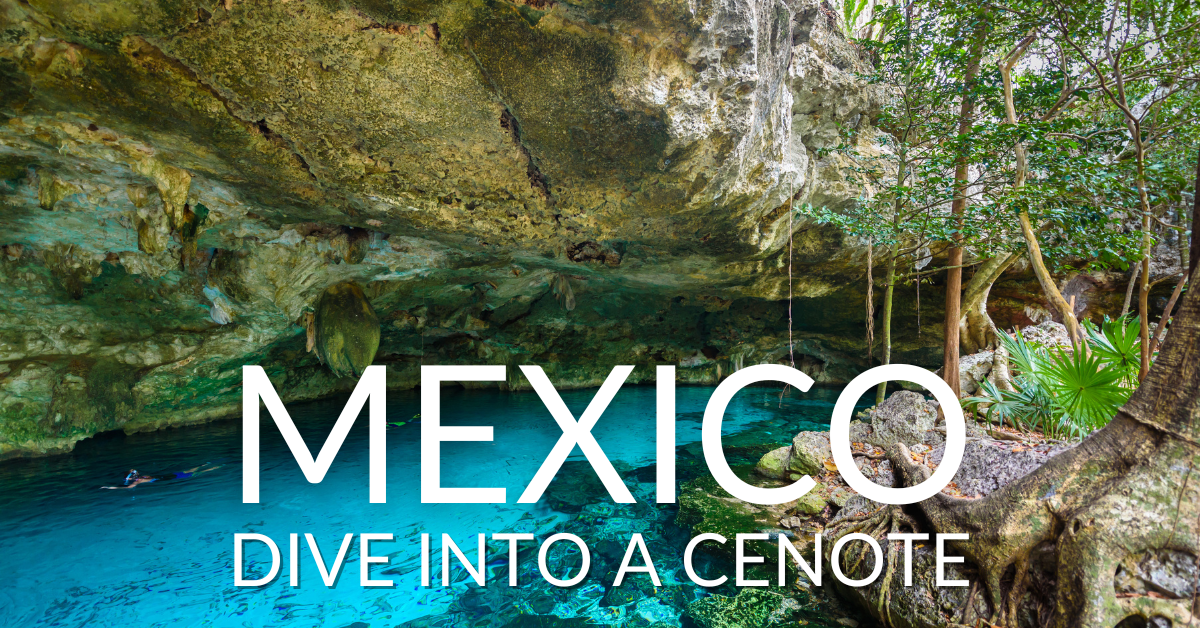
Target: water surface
162 554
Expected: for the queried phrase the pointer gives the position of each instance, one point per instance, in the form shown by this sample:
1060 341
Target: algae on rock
347 330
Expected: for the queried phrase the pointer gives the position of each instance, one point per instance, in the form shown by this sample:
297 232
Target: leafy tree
1142 59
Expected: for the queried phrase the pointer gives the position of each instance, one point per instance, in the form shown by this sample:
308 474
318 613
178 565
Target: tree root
878 525
1121 493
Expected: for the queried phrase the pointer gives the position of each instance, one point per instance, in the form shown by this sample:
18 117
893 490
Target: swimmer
416 418
134 478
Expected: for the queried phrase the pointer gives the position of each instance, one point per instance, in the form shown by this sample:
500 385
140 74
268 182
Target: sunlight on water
161 554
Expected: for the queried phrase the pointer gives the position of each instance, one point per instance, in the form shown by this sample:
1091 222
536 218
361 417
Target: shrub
1065 394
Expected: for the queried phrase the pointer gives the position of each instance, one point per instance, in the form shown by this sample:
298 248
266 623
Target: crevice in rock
431 31
509 122
537 180
143 52
280 140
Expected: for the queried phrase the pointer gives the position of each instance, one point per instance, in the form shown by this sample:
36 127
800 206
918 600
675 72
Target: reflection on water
161 554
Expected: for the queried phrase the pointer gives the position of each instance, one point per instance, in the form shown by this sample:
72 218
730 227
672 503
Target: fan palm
1065 393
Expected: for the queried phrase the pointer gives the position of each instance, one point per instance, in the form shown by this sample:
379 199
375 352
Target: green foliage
1117 343
1066 394
1085 391
1084 183
853 11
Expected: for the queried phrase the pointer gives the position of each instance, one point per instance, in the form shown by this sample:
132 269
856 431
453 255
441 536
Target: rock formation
532 182
182 180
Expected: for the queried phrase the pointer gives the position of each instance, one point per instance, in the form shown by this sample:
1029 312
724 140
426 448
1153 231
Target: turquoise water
161 554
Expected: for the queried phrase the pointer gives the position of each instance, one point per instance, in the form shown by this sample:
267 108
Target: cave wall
180 180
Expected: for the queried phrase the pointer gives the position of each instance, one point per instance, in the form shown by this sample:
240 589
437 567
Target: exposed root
878 525
1122 492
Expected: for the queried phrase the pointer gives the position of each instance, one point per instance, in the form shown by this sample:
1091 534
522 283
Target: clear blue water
162 554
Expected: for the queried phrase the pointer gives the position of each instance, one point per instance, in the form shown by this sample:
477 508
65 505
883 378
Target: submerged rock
750 607
347 330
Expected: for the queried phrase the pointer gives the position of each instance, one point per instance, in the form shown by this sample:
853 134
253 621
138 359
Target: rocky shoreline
907 418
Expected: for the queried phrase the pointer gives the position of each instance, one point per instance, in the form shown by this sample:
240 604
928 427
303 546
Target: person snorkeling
134 478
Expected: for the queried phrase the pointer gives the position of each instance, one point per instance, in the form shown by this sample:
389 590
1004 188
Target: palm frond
1084 387
1119 344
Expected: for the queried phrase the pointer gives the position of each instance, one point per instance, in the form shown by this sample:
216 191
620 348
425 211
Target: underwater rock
750 607
347 330
549 621
575 486
705 507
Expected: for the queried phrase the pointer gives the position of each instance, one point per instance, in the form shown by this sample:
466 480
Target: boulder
972 370
810 450
904 417
774 464
989 464
813 501
860 432
1048 334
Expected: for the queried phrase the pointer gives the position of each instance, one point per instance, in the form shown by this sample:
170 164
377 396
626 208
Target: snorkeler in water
134 478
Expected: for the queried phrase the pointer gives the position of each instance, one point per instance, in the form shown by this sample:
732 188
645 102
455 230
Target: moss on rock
750 607
347 330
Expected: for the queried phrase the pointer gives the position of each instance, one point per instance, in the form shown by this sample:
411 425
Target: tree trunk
1045 279
1147 243
1194 249
977 330
886 358
1124 491
897 206
966 122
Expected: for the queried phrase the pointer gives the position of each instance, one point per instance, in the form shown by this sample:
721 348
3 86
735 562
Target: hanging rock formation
346 330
